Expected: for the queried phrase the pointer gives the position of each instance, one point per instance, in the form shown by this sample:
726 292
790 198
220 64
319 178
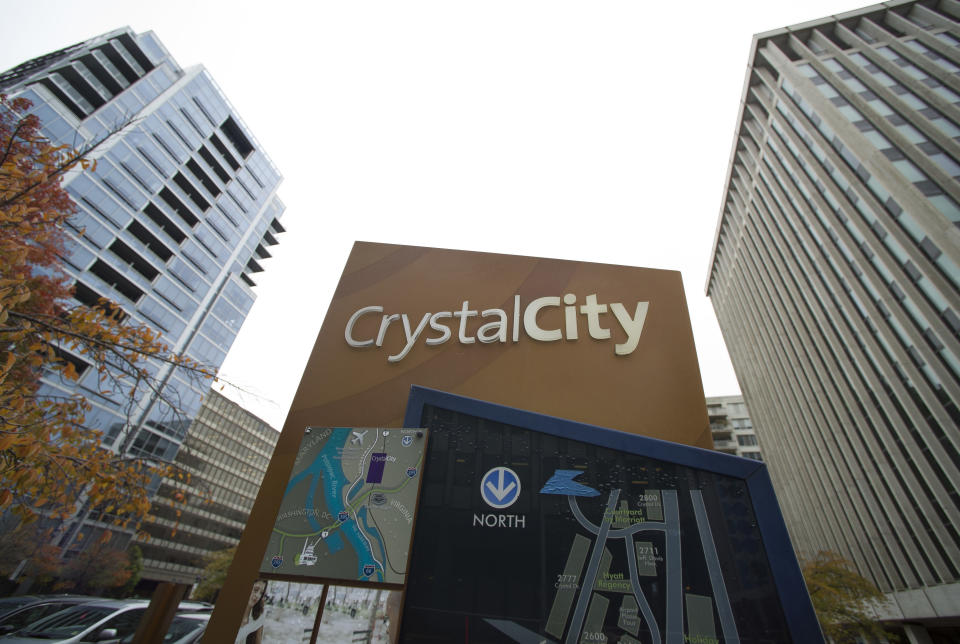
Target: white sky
593 131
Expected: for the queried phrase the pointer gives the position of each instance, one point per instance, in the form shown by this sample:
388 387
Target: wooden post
163 606
373 615
319 618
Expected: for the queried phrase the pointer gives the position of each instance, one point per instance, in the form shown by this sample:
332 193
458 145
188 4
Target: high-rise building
836 280
172 223
226 452
731 427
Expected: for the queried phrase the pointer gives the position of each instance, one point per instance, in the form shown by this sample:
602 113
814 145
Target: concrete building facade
835 277
732 428
226 452
171 225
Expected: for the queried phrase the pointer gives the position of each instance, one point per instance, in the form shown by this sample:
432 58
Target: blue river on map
327 463
372 530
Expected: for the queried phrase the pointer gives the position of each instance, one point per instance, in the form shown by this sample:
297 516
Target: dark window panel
179 207
231 129
63 98
203 178
159 218
148 239
222 149
213 163
114 57
102 74
131 257
112 277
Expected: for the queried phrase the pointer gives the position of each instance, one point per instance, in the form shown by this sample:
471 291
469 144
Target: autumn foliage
97 568
50 461
843 599
214 574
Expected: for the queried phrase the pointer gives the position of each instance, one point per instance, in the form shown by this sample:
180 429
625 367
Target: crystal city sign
506 324
594 343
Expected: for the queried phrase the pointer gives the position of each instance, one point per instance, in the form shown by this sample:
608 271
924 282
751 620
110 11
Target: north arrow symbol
500 487
500 492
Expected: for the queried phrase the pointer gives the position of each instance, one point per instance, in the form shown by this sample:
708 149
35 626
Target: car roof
118 603
18 602
65 598
192 606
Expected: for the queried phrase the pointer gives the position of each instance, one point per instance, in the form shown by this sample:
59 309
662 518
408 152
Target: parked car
18 612
186 628
194 607
104 620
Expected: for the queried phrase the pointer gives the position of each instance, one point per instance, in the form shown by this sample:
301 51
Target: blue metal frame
797 608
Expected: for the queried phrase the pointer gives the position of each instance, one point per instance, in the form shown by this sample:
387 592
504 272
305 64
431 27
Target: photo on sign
347 510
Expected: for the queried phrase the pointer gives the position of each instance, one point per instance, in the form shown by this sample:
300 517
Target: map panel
347 511
529 537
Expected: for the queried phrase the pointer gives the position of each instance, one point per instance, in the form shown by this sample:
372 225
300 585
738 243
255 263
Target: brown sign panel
490 348
593 343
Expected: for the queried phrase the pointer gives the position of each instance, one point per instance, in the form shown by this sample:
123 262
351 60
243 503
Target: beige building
731 427
226 452
836 280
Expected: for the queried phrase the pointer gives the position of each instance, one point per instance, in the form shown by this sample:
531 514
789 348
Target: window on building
112 277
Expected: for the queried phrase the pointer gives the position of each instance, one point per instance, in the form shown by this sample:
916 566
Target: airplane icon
358 438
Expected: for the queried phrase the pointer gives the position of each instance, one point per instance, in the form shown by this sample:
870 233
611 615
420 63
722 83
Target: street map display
529 537
347 512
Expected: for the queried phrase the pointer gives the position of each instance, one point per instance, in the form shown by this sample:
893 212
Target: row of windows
249 432
909 270
935 192
195 519
232 457
151 445
726 268
185 540
853 260
867 420
215 497
829 257
226 408
904 219
89 81
792 435
111 211
179 305
209 514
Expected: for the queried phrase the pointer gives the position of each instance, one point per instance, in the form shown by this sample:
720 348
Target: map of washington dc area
347 512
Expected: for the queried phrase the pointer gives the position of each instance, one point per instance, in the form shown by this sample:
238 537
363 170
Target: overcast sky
593 131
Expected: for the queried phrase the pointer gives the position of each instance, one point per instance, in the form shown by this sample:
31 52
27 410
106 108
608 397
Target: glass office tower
172 223
836 280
